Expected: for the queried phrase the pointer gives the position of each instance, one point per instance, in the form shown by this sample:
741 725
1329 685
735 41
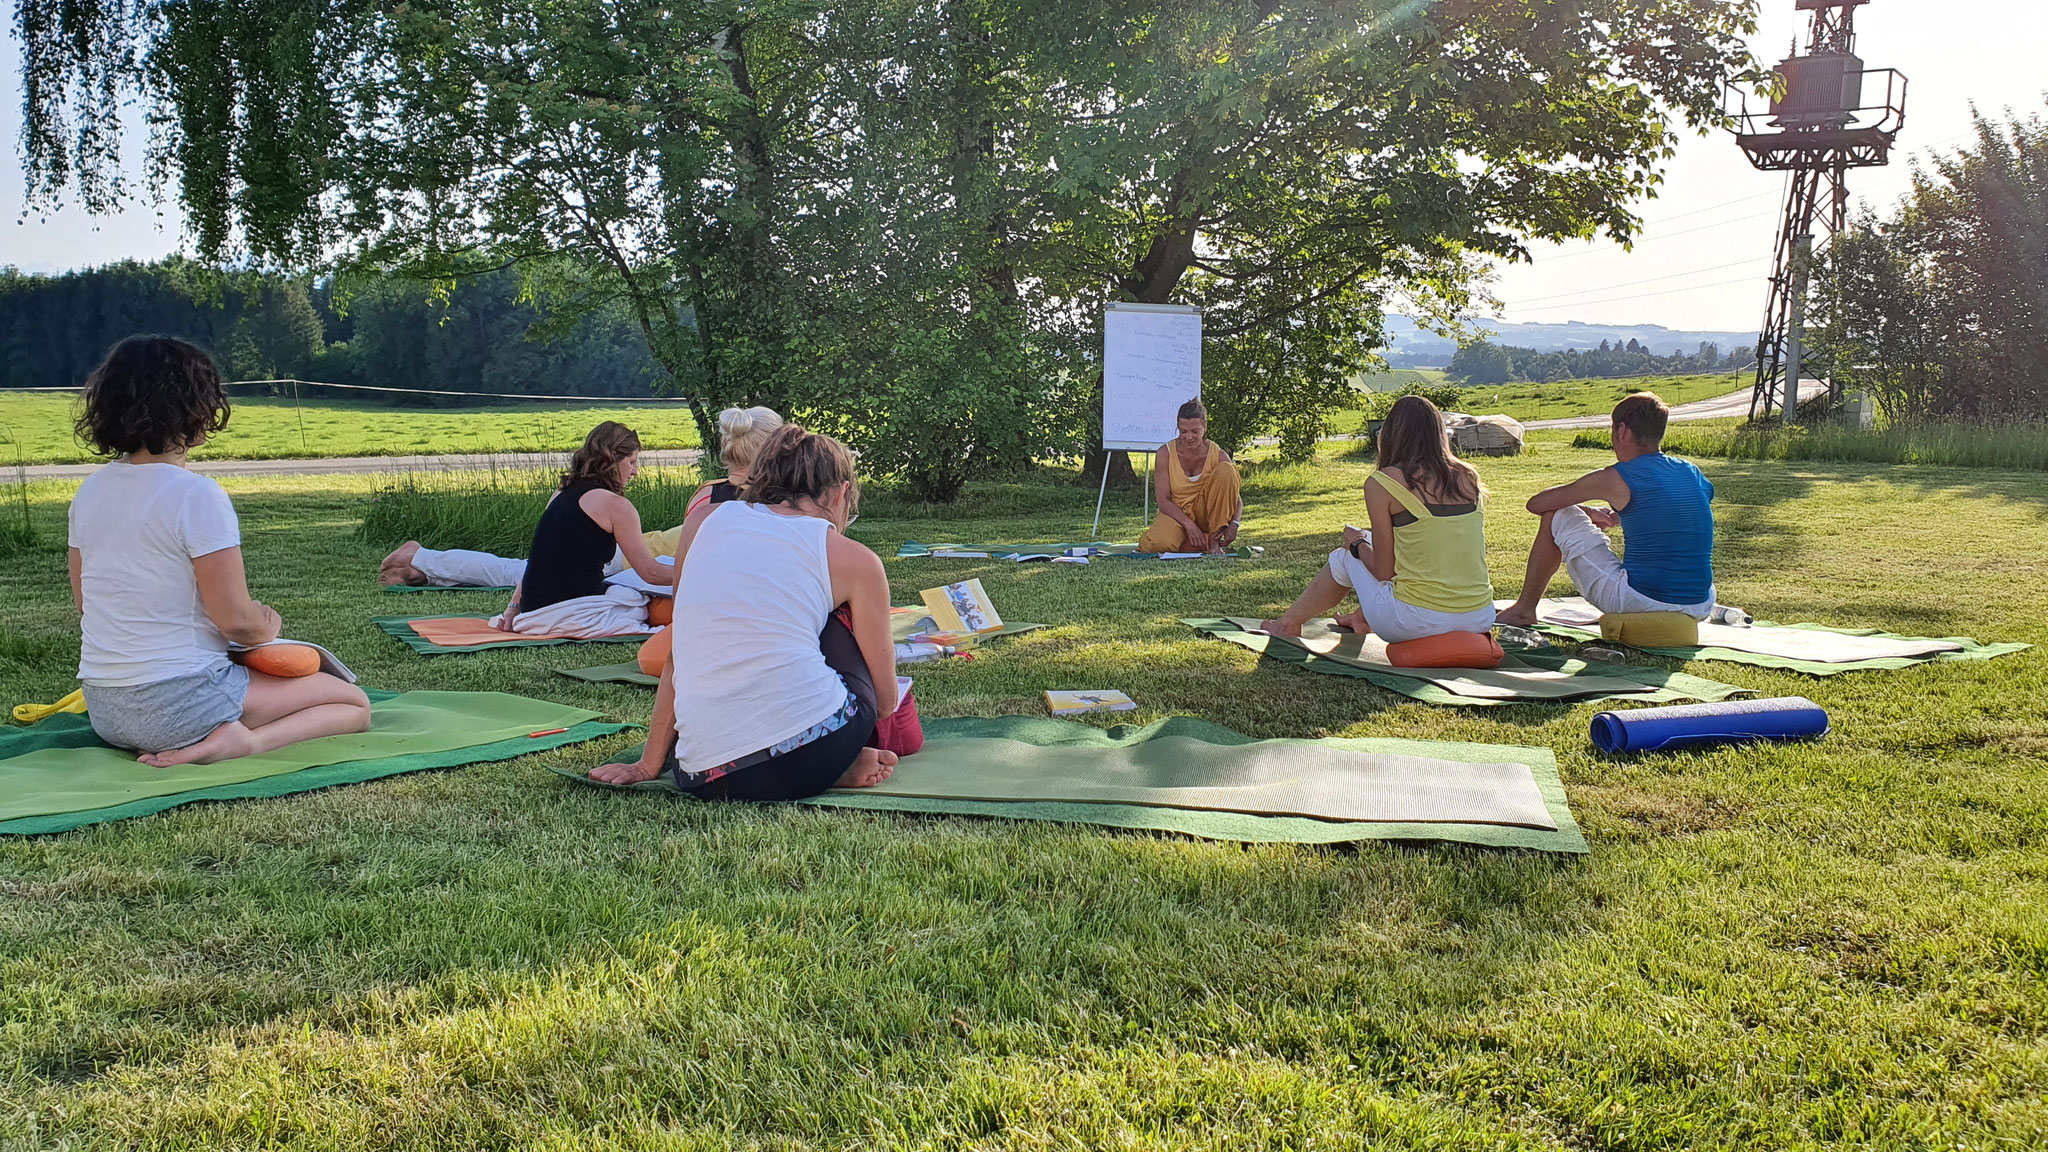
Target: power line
1632 283
1639 295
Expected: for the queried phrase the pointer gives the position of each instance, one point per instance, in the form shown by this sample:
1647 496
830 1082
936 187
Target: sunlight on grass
1839 944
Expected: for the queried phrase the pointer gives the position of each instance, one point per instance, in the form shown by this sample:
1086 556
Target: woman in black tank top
570 551
577 535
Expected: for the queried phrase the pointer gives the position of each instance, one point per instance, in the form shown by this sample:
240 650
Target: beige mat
1513 680
1266 777
1812 644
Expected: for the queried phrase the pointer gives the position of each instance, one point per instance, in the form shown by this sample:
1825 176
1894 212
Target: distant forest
1484 362
481 336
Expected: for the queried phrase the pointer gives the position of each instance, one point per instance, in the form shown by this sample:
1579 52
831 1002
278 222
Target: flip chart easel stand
1145 501
1151 365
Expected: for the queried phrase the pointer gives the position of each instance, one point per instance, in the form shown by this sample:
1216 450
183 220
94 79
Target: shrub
495 511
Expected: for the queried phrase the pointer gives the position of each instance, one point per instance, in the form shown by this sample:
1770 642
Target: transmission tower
1817 127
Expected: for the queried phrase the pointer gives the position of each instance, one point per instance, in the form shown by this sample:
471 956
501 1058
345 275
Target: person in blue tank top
1661 504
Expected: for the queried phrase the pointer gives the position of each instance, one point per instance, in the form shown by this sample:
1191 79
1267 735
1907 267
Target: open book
631 579
329 663
962 607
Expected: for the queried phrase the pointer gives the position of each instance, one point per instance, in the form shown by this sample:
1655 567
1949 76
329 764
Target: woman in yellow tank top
1421 571
1199 503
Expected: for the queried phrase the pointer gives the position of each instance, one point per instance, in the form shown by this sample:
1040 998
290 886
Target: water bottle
1512 636
1730 615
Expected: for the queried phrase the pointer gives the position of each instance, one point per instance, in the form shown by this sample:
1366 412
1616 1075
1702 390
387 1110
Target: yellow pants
1210 502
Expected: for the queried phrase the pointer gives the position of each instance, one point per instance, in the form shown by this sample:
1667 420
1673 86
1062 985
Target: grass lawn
1586 397
38 424
1834 945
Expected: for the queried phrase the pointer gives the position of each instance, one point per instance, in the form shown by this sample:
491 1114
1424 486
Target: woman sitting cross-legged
563 590
741 432
1421 570
766 695
1199 504
156 572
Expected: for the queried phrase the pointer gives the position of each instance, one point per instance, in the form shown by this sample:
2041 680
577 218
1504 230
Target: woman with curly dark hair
585 523
156 572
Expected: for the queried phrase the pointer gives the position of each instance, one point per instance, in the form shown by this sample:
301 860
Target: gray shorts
168 714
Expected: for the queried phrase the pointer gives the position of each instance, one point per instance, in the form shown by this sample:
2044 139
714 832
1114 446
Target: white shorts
1393 619
1596 571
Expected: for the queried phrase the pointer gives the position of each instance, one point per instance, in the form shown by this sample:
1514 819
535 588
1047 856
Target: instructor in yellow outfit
1199 504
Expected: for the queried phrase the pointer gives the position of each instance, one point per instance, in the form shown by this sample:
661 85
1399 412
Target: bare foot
226 742
1515 616
874 766
397 568
1354 621
1279 628
624 773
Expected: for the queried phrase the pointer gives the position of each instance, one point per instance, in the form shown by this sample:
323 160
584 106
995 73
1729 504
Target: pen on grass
549 732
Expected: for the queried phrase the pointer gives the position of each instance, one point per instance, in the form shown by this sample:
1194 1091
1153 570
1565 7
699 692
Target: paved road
356 465
1720 407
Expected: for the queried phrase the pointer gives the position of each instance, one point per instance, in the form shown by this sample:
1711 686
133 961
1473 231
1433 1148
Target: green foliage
495 511
1446 396
1947 443
1939 311
767 187
1483 362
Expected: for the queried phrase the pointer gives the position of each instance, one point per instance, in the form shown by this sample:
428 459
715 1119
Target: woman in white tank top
765 696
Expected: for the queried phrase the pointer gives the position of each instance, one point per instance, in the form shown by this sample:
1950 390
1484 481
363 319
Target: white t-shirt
137 528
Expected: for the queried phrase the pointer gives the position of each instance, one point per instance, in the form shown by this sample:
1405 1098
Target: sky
1699 263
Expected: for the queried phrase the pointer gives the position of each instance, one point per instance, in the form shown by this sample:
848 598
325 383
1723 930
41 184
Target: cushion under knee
1447 650
1650 629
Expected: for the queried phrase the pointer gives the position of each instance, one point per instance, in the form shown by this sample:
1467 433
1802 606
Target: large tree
902 217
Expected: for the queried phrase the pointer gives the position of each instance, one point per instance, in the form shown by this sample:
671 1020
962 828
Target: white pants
1393 619
1596 571
462 568
618 611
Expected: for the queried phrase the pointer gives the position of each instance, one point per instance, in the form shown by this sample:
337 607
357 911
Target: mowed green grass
1834 945
1586 397
38 425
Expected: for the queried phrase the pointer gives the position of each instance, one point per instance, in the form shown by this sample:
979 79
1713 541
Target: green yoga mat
1031 768
628 672
1968 649
447 587
1110 551
1522 678
399 628
58 775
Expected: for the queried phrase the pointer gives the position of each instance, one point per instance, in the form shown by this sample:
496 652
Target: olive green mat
1031 768
1522 678
58 775
399 628
1965 648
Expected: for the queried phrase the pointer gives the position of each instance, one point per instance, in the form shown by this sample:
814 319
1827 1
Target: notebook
1075 703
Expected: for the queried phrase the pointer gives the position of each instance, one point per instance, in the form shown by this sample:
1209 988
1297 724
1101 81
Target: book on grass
1076 703
962 607
956 554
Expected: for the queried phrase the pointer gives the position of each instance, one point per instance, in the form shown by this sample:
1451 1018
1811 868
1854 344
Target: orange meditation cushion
281 659
1447 650
654 651
661 610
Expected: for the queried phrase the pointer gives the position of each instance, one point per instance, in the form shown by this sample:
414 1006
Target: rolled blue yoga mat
1697 725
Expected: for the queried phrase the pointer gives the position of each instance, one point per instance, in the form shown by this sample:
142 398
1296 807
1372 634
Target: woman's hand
1198 540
